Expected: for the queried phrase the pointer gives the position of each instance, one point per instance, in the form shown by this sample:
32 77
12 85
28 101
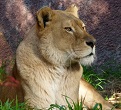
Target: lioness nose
91 43
90 40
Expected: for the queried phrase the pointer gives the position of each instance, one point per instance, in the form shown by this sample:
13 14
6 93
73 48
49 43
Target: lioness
48 60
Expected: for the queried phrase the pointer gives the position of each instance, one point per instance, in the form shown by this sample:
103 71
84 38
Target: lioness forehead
66 16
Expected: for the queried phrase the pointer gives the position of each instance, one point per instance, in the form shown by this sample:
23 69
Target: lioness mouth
90 54
77 58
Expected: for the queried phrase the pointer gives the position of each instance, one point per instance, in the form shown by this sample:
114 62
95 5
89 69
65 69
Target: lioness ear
73 9
44 15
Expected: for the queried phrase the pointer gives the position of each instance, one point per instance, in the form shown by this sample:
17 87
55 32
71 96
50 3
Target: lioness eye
68 28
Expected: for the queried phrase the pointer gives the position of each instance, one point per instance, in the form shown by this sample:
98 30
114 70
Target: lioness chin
48 60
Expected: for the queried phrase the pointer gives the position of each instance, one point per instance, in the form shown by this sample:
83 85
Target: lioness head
63 37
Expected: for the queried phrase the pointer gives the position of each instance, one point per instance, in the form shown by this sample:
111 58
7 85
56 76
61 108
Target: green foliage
13 105
99 80
93 78
111 71
115 73
97 106
73 106
117 105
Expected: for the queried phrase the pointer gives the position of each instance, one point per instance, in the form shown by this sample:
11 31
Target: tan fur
48 60
90 96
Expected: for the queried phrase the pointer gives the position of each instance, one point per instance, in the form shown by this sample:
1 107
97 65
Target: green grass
14 105
96 80
8 105
110 77
73 106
